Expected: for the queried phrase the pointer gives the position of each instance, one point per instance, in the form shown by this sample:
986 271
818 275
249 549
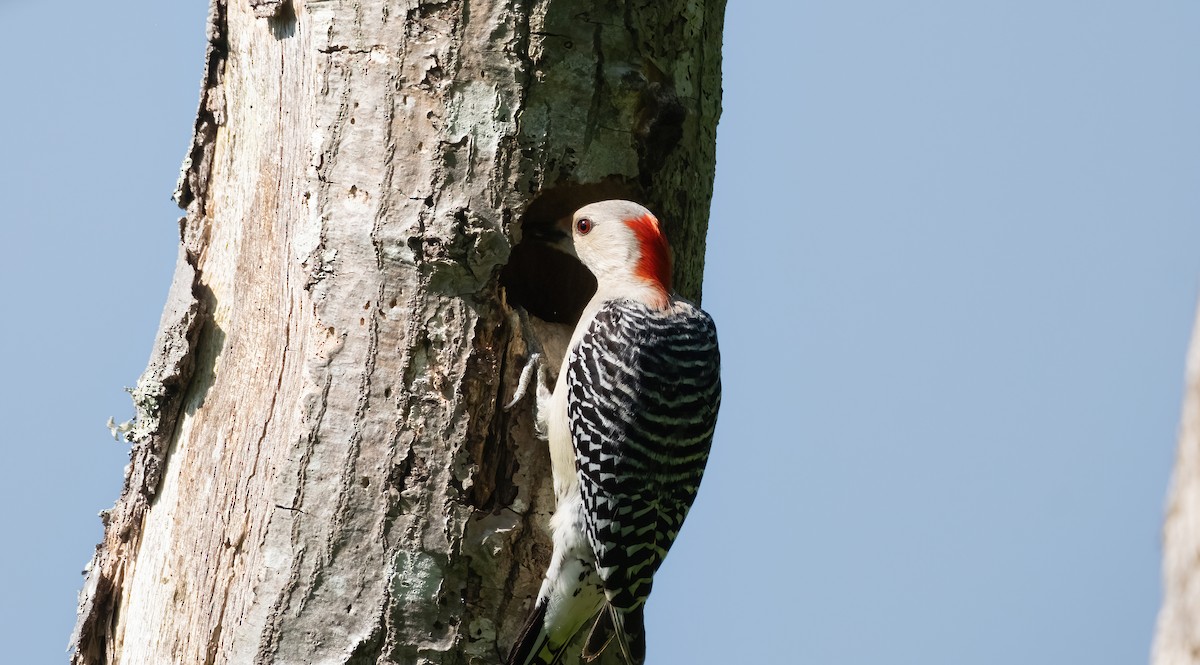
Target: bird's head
623 246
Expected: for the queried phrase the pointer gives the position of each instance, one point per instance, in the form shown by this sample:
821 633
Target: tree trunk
320 469
1177 641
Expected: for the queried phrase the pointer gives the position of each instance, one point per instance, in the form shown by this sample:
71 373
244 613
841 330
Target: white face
603 241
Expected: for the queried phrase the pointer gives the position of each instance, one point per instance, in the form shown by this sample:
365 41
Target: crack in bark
271 633
599 85
354 445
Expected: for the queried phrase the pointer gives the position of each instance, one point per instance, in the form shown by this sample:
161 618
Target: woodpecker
630 423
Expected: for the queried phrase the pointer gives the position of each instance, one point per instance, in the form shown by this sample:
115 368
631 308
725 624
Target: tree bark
320 469
1177 641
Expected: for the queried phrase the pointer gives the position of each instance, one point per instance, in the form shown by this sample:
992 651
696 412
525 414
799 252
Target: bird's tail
627 629
534 645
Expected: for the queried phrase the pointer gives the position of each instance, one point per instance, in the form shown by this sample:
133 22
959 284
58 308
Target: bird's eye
584 226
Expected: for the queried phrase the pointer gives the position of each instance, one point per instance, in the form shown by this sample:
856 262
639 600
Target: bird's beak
557 235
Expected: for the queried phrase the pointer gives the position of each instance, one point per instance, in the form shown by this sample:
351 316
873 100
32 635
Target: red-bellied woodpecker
630 423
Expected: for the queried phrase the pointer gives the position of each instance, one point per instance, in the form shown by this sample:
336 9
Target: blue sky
954 259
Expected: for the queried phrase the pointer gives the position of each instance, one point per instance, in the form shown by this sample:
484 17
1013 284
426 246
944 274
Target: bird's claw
534 362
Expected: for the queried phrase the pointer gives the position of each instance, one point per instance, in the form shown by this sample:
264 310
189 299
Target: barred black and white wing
644 392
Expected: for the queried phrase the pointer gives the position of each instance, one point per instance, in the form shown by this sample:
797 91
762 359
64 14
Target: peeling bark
1177 641
320 469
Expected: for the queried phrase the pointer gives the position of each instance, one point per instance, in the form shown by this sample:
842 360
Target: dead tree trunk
1177 641
320 470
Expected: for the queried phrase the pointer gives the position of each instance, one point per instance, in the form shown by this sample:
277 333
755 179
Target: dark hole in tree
540 276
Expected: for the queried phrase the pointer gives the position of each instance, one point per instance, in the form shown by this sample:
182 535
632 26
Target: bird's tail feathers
533 647
529 647
631 634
